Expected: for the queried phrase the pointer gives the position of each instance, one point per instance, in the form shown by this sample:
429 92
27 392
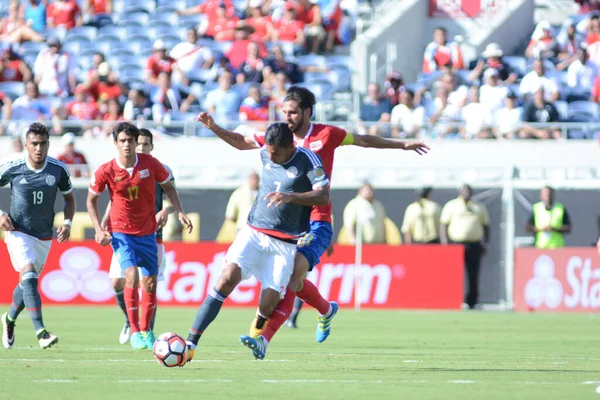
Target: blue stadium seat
137 46
463 77
323 89
584 108
140 36
222 47
339 60
28 47
88 32
340 76
134 6
113 30
176 4
242 88
165 18
122 52
166 8
563 109
200 75
105 46
310 60
517 64
315 76
119 61
132 73
12 89
191 20
75 46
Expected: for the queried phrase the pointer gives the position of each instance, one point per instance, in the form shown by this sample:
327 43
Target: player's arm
234 139
64 231
5 178
377 142
102 237
319 196
173 197
105 217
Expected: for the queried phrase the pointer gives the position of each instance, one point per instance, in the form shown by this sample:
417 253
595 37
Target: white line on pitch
461 381
317 381
176 381
55 381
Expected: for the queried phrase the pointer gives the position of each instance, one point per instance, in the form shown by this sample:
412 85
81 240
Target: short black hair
38 129
280 135
441 28
146 133
425 192
127 128
301 95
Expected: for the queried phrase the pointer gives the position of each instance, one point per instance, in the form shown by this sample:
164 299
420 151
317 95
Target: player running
293 179
35 181
145 145
131 230
298 106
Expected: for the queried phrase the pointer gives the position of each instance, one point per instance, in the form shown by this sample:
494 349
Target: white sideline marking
55 381
591 383
411 361
461 381
176 381
317 381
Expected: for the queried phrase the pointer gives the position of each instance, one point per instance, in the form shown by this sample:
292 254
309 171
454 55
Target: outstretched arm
320 196
234 139
173 196
377 142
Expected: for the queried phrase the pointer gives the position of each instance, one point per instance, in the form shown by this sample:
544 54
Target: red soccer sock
148 307
132 300
310 294
280 315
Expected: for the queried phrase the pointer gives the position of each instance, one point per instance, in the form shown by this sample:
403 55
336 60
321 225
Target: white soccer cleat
8 332
125 334
47 340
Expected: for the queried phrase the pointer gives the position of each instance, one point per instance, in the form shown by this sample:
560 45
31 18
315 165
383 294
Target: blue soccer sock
32 299
153 318
206 314
17 304
121 303
298 302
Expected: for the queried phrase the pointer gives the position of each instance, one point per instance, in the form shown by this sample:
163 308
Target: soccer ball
170 350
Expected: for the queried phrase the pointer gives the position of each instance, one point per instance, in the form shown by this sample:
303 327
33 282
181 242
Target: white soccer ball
170 350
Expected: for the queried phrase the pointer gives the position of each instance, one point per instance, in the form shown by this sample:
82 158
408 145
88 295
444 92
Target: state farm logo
575 285
543 288
79 274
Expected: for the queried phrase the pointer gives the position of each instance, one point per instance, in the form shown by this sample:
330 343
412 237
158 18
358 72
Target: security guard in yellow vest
549 221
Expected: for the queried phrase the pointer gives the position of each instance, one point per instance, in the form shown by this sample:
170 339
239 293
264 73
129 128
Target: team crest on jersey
316 145
50 180
292 172
144 174
118 179
268 166
319 172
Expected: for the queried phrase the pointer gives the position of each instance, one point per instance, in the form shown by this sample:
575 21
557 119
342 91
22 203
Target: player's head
425 192
547 195
279 142
298 106
125 136
366 191
37 142
145 142
465 192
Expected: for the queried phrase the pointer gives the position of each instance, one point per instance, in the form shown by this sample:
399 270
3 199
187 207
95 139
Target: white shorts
116 272
270 260
24 250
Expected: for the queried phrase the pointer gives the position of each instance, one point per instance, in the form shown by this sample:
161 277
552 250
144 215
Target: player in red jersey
297 108
131 179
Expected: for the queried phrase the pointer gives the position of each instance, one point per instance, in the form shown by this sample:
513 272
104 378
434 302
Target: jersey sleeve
98 182
259 139
316 173
338 137
64 181
161 174
5 174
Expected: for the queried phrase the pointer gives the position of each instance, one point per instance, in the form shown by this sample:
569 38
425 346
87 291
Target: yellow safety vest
553 218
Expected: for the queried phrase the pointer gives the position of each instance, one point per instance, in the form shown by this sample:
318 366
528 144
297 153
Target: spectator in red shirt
113 116
210 9
220 28
252 69
442 53
75 161
108 87
12 68
64 13
97 12
83 108
257 19
289 29
239 49
159 62
255 107
542 43
596 91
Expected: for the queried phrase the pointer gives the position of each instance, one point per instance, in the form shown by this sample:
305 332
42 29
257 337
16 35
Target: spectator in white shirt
165 100
444 113
54 71
189 56
407 119
457 94
540 78
477 119
508 119
582 72
491 94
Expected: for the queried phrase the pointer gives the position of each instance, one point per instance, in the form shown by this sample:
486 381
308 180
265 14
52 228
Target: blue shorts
314 244
136 251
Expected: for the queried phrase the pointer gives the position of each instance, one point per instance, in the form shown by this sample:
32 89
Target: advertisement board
391 276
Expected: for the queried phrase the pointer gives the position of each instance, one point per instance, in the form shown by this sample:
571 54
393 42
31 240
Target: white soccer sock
192 345
266 342
328 312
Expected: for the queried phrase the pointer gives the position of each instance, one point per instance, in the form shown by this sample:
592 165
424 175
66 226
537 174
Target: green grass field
370 355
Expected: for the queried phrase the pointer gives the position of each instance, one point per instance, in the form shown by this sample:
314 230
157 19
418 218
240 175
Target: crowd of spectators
103 61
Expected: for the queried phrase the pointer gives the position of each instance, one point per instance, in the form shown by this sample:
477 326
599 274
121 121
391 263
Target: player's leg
28 256
117 280
162 265
275 302
147 253
9 319
293 319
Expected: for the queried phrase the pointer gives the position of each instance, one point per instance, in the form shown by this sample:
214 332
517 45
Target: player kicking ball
298 107
35 181
145 145
131 230
293 179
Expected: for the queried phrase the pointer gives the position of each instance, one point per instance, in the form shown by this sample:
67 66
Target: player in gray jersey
35 181
145 145
293 180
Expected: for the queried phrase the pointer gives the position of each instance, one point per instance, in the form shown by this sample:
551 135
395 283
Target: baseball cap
490 72
68 138
159 45
53 41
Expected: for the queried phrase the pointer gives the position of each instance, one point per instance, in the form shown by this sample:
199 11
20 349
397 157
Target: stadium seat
583 108
12 89
135 6
105 46
310 60
191 20
127 74
242 88
74 47
27 47
517 64
138 45
463 77
176 4
340 76
339 60
88 32
563 109
323 89
113 30
315 76
201 75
